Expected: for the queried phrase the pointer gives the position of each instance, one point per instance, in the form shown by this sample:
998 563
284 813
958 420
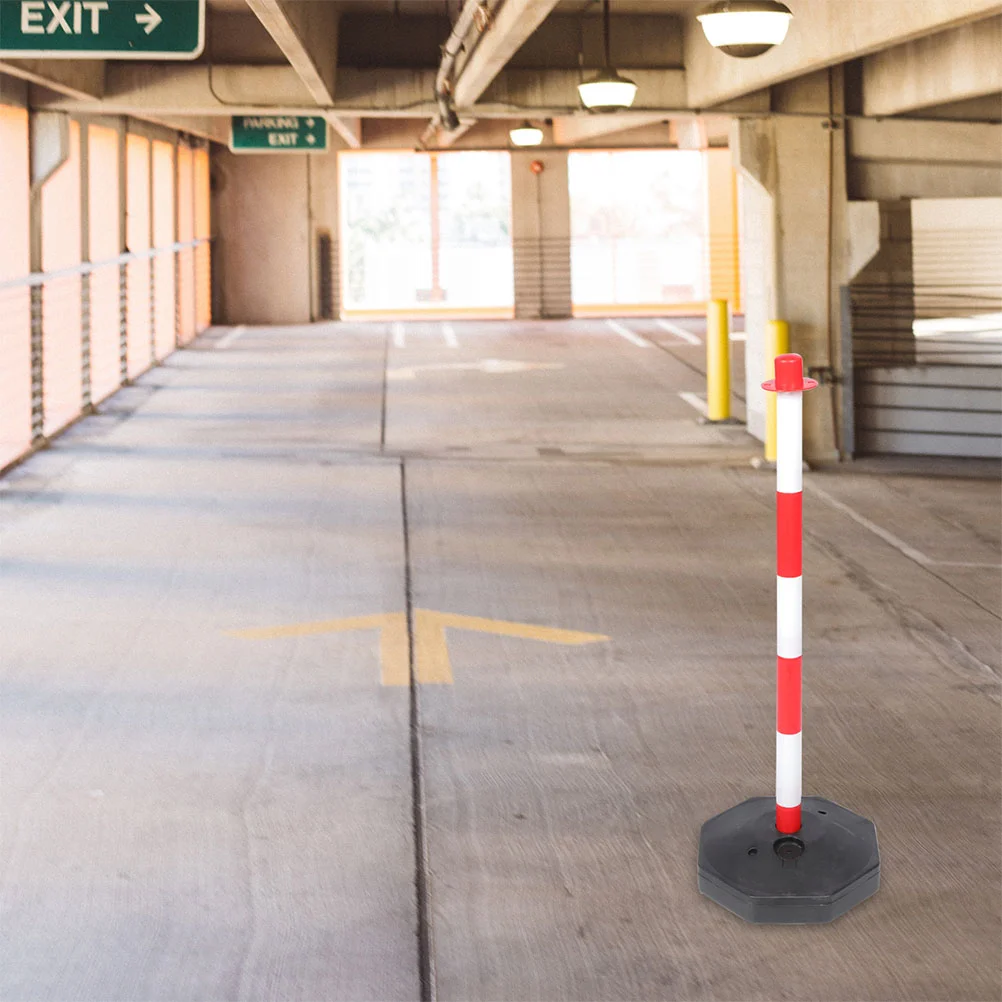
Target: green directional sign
278 134
102 29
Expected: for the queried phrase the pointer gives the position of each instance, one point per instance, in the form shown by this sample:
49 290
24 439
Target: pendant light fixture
745 28
607 90
526 134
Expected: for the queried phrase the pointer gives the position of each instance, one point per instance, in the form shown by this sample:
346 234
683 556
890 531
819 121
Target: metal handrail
85 268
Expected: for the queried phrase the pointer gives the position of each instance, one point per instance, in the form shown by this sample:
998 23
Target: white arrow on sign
151 18
311 140
309 123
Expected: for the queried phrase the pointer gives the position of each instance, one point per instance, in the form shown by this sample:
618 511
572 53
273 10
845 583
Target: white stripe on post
789 443
789 617
788 782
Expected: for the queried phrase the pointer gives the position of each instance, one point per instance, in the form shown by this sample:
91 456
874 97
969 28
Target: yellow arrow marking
431 649
394 647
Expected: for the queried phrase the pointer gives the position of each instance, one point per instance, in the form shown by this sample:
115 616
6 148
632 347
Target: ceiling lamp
745 28
607 91
526 134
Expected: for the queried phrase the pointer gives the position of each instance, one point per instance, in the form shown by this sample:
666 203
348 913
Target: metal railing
72 336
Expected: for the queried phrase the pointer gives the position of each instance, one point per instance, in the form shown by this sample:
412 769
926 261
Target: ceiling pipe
443 79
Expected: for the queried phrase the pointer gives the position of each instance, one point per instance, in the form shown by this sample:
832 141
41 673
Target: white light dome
745 28
526 134
608 91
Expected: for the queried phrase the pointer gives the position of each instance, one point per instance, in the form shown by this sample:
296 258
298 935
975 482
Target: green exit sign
278 134
102 29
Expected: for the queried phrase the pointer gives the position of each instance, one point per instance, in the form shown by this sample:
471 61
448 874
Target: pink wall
103 202
166 200
15 304
163 236
61 318
137 238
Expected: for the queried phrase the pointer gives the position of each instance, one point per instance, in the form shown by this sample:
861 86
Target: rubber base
828 867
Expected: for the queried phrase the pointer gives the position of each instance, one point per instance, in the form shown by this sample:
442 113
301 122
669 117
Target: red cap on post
789 376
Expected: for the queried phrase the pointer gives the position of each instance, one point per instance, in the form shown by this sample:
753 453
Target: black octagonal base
829 866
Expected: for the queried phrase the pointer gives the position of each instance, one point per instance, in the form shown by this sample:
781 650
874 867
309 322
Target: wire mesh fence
70 338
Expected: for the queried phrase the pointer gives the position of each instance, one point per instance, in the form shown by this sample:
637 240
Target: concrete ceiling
359 61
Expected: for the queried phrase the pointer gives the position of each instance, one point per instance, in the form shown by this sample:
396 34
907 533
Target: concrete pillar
541 234
793 236
269 212
323 208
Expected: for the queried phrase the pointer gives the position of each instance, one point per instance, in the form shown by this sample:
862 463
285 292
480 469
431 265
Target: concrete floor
192 811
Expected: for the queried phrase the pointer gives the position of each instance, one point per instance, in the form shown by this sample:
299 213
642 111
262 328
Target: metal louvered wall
927 355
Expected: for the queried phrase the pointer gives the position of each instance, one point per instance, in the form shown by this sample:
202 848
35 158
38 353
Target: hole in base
753 851
788 847
822 812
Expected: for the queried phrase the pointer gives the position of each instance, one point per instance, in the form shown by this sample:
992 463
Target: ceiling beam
953 65
903 140
306 32
511 24
78 78
200 89
823 33
570 130
444 138
349 128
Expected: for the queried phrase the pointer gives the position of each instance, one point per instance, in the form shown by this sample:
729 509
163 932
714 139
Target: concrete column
793 242
323 209
541 234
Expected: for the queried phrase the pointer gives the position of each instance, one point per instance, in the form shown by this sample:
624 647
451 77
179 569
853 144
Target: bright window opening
638 227
426 234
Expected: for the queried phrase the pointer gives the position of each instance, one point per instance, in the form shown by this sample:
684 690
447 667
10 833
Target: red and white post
761 859
789 386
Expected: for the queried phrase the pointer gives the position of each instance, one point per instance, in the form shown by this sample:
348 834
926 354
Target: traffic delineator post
788 859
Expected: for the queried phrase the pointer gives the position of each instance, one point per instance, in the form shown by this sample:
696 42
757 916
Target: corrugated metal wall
927 342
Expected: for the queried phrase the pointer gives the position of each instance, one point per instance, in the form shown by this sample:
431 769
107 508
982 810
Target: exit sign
102 29
278 134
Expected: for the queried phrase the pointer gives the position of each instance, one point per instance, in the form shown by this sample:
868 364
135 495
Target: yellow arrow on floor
431 649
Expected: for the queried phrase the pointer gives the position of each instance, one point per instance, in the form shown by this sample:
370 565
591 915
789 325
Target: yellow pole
777 342
718 361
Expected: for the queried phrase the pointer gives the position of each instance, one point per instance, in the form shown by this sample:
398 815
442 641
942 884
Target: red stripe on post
789 534
788 714
788 819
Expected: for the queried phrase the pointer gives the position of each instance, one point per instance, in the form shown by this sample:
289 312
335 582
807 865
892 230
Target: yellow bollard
777 342
718 361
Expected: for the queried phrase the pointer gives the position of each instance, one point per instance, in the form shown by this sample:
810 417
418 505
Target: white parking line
398 334
696 401
227 339
624 332
888 537
687 336
450 336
